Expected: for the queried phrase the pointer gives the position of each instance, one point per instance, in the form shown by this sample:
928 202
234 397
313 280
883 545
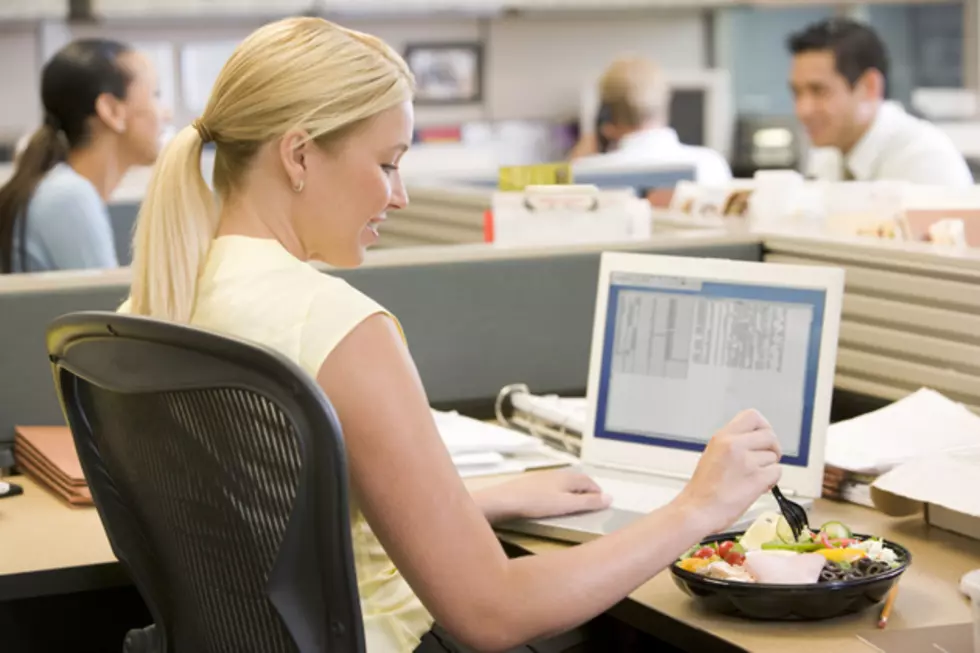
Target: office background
535 62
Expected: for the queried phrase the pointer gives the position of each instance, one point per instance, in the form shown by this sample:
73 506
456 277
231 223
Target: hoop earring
299 186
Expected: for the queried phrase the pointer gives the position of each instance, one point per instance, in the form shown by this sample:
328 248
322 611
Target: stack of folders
484 449
47 454
861 449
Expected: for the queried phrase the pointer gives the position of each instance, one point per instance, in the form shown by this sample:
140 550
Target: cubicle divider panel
476 326
472 325
27 395
911 319
123 218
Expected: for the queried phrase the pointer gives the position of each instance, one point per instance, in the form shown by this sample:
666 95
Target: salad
769 553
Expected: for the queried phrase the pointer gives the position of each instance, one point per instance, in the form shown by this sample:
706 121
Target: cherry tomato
734 558
704 552
725 547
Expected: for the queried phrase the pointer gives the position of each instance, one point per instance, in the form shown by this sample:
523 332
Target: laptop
679 347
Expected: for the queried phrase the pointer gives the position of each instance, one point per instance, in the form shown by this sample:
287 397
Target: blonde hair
635 92
304 73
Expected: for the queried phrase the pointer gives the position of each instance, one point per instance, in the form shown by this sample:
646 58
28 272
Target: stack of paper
922 424
483 449
925 422
47 454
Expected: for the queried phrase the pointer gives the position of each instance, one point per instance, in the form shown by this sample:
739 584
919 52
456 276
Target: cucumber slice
784 532
836 530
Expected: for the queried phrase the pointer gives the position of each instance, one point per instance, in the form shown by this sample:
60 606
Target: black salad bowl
790 602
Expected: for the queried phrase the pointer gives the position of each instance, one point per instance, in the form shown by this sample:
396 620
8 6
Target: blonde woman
310 121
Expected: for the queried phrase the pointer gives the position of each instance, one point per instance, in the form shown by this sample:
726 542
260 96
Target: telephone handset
603 117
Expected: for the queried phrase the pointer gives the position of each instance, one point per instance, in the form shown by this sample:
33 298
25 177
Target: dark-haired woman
101 117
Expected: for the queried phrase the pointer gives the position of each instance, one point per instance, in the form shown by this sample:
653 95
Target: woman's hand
740 463
541 494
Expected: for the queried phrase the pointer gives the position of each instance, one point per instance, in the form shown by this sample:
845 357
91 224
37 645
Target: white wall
534 65
20 92
538 64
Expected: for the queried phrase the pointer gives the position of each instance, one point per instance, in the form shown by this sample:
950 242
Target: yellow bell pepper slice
693 564
842 555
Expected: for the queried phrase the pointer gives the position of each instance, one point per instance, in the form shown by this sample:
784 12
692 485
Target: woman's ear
111 111
293 149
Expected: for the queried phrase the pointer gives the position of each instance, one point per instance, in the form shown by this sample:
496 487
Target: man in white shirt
633 129
839 81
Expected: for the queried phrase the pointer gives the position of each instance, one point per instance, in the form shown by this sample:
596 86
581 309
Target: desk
929 593
47 547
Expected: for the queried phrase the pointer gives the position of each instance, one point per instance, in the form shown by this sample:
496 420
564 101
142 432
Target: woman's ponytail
46 147
177 222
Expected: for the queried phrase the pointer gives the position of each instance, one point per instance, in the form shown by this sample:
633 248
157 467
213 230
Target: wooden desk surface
928 596
39 534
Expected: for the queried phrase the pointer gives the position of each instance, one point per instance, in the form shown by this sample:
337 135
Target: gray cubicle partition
473 326
123 218
910 319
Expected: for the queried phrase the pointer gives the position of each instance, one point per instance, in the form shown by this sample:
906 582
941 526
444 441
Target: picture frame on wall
446 73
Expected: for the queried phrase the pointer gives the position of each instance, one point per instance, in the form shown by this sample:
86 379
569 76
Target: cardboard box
944 488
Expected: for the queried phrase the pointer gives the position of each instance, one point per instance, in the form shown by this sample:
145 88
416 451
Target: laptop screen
681 356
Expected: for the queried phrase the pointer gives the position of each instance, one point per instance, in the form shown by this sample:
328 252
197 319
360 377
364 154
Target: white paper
478 459
919 425
543 457
483 449
465 435
949 480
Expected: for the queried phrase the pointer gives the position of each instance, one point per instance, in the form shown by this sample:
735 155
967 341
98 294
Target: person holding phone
632 126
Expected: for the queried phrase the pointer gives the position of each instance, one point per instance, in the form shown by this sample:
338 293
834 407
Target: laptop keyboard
633 496
636 497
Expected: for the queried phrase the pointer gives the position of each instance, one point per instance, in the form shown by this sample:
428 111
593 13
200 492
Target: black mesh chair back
218 470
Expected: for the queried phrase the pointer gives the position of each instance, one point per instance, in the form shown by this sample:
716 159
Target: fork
794 513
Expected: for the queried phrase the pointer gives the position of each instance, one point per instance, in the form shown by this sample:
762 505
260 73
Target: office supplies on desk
482 449
48 455
922 423
679 347
10 490
861 449
886 611
567 214
557 421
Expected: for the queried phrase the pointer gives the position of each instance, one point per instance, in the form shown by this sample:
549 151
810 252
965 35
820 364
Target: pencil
887 610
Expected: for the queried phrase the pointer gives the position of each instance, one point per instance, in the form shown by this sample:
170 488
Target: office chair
219 473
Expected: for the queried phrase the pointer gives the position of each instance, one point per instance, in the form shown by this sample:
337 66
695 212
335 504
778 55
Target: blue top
67 226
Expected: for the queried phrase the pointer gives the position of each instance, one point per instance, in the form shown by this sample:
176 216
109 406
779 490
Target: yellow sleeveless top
256 290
